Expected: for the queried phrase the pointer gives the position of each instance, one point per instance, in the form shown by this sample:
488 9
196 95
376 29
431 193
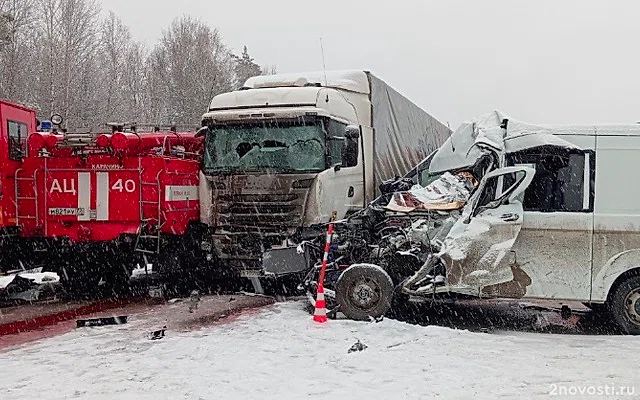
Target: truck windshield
283 146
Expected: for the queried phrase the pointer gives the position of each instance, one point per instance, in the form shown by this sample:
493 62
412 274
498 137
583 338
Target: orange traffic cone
320 314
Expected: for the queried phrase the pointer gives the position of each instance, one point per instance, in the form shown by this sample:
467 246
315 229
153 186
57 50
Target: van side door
555 245
475 250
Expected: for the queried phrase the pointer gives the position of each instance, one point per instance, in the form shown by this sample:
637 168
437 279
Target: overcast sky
543 61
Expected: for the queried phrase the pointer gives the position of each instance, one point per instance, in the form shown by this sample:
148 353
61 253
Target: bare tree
115 44
60 56
188 66
16 19
134 85
68 39
269 70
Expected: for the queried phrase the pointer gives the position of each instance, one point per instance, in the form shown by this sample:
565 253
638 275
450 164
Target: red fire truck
91 206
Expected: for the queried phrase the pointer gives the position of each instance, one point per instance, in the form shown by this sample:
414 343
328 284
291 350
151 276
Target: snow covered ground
278 353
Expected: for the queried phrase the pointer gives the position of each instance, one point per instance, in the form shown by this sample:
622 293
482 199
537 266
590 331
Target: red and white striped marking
102 196
107 195
84 195
93 195
320 313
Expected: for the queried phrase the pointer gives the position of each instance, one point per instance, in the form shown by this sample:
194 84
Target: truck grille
258 213
249 224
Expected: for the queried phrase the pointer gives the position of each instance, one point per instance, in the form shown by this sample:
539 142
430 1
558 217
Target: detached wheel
624 305
363 291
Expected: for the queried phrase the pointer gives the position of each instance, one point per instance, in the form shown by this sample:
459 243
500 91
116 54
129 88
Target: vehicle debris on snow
357 346
92 322
28 286
159 334
194 299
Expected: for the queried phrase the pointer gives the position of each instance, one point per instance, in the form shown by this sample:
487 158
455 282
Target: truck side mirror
350 152
352 132
202 131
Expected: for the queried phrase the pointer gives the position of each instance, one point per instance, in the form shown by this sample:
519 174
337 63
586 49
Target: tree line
66 57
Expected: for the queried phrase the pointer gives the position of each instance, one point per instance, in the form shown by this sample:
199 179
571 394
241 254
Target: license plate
66 211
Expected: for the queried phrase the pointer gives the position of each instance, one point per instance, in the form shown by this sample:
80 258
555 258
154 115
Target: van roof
463 147
590 130
516 127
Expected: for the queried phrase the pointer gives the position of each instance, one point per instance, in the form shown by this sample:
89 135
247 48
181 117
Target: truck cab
16 122
278 158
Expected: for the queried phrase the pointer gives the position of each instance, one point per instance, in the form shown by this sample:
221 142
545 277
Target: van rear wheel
624 305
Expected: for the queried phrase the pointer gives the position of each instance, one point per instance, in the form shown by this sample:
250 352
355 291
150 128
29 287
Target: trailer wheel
363 291
624 305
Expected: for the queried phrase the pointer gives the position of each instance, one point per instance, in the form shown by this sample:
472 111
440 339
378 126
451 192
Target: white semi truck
286 151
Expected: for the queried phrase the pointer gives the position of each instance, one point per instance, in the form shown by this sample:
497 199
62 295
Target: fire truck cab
16 122
90 206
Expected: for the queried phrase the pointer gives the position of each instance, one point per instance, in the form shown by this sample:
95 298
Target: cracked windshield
282 146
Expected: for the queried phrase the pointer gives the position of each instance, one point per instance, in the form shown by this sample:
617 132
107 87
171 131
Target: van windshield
420 174
281 146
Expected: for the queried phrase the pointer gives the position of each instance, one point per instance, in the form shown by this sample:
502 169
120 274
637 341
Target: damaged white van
555 216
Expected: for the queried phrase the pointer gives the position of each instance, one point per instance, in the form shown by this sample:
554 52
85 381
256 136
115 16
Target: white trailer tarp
404 133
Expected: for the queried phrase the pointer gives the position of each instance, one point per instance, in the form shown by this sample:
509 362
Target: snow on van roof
463 147
354 81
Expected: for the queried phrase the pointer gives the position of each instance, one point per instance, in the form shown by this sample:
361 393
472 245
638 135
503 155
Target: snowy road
278 353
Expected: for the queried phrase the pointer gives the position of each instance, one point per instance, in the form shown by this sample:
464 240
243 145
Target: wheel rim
365 293
632 306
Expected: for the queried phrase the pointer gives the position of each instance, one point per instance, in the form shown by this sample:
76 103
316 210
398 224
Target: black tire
363 291
624 305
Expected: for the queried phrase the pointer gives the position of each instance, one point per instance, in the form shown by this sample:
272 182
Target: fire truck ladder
150 223
22 199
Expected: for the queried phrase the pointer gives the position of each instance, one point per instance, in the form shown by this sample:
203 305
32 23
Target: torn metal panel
285 260
497 132
473 252
27 285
